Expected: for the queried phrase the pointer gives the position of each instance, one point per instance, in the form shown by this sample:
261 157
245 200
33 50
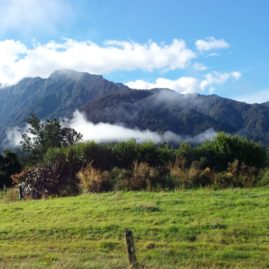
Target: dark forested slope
104 101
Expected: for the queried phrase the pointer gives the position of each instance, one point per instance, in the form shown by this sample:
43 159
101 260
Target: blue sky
203 46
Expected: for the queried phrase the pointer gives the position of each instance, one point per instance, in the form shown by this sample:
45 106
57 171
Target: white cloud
211 43
13 137
102 132
186 84
105 132
257 97
33 16
181 85
216 78
41 60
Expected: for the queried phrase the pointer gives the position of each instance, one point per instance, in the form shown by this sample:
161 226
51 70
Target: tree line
55 162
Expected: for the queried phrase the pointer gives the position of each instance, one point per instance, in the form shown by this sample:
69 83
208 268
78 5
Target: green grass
185 229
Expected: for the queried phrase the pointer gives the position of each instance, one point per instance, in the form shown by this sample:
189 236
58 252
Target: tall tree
42 135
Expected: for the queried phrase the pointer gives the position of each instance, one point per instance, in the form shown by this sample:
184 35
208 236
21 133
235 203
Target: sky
190 46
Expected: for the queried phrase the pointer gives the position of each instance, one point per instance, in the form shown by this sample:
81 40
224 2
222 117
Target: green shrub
225 149
54 176
120 178
125 154
263 178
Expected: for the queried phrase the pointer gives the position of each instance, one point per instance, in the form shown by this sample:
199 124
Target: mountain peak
72 74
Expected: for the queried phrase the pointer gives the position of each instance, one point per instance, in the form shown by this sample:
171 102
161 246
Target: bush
190 177
143 176
225 149
99 155
120 178
201 178
242 174
55 176
179 174
9 165
125 154
222 180
188 153
94 180
263 178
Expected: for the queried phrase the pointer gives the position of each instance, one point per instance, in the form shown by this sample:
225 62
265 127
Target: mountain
159 110
162 110
57 96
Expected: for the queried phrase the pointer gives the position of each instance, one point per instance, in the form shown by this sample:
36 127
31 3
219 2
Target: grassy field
185 229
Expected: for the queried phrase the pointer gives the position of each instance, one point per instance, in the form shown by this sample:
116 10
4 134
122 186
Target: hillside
162 110
58 96
158 110
186 229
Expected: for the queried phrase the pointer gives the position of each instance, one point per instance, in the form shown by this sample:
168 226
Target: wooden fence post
21 196
133 264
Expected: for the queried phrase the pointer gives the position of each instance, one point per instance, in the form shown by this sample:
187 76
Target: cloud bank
19 61
186 85
105 132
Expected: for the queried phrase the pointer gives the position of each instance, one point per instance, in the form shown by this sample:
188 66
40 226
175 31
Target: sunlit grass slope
185 229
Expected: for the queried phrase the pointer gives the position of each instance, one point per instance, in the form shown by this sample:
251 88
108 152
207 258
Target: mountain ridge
101 100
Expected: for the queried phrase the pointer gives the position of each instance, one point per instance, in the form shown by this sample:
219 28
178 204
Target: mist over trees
56 163
42 135
225 161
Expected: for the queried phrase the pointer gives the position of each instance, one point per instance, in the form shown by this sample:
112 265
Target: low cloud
19 61
211 43
13 137
187 84
105 132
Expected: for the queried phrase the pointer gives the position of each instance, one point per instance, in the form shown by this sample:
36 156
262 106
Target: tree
42 135
225 149
9 165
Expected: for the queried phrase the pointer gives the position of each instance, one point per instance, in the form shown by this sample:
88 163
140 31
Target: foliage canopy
42 135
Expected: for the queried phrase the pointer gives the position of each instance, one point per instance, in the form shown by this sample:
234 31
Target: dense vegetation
55 164
9 165
200 228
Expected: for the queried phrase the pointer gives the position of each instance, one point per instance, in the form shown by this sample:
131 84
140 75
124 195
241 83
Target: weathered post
21 196
133 264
